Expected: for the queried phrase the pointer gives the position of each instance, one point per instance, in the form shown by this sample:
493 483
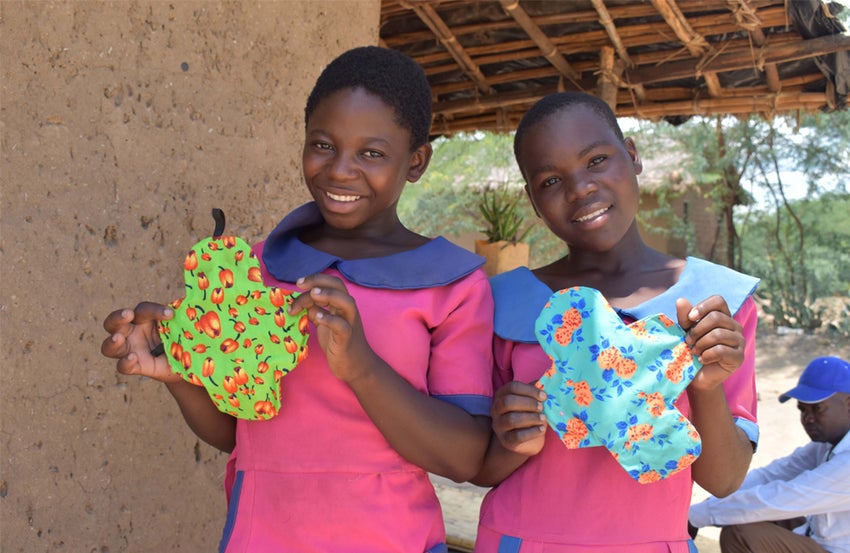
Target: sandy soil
780 358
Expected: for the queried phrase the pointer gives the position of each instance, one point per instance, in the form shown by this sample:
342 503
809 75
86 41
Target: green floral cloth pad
613 384
232 334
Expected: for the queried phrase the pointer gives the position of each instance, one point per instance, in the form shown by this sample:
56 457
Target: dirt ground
780 358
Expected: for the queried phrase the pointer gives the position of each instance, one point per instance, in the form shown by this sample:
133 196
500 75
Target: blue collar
520 296
435 263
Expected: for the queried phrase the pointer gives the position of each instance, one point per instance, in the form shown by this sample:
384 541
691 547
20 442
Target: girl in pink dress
581 177
397 382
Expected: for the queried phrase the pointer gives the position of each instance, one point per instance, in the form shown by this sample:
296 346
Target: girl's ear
631 148
419 162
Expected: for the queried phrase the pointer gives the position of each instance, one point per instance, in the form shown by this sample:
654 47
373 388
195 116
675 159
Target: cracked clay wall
123 123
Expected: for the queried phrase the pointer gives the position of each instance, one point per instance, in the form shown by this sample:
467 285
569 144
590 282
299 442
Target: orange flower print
572 318
571 321
665 320
681 358
654 403
682 353
638 328
581 392
649 477
625 367
674 372
563 335
576 432
640 432
685 461
608 358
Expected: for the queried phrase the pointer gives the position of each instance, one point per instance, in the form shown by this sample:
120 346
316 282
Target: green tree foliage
792 293
745 167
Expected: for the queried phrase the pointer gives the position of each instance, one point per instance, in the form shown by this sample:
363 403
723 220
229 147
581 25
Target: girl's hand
518 420
338 326
715 338
132 336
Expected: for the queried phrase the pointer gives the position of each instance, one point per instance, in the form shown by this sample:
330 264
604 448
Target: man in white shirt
812 482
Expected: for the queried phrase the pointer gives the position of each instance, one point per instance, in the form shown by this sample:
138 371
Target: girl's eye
373 154
549 182
323 146
596 160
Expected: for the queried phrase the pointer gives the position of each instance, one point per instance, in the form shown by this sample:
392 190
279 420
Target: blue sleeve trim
750 428
509 544
471 403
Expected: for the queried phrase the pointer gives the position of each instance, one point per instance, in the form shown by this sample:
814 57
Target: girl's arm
429 432
718 341
519 430
132 336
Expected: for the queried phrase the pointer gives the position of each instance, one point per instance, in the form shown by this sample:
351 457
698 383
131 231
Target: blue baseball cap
823 377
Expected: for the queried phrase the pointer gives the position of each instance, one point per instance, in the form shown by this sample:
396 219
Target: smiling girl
582 179
397 382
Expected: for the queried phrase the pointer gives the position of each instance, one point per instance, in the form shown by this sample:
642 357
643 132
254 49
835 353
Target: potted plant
503 249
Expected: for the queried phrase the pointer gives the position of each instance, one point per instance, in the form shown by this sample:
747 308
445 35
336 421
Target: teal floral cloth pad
613 384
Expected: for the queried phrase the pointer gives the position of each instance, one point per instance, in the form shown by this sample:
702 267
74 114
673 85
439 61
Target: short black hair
388 74
553 103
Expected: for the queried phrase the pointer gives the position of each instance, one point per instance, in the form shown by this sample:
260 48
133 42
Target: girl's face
357 159
581 178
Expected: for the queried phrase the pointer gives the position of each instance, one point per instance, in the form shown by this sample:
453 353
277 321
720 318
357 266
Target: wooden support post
607 86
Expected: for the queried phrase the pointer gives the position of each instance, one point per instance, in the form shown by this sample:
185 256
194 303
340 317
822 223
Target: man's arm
804 488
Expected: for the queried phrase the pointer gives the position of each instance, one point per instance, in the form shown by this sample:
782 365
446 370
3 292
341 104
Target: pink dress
581 500
320 476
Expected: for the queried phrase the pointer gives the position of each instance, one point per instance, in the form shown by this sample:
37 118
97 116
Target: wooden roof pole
607 85
608 24
746 17
549 50
693 41
611 29
733 60
432 19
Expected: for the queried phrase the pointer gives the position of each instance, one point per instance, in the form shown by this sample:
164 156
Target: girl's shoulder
698 280
518 296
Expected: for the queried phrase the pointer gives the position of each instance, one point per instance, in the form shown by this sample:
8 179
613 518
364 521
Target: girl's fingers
118 321
318 290
327 318
149 312
115 345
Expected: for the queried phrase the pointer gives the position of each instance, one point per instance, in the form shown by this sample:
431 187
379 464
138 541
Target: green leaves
499 207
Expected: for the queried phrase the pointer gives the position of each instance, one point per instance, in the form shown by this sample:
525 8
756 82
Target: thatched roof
489 60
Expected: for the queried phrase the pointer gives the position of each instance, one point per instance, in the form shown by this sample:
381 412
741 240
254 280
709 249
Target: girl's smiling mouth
591 215
342 198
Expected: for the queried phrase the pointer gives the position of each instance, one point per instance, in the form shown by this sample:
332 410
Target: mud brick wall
123 123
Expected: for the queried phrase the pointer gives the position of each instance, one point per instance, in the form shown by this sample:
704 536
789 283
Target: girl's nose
341 167
580 186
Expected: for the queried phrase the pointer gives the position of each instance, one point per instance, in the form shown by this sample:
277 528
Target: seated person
809 489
